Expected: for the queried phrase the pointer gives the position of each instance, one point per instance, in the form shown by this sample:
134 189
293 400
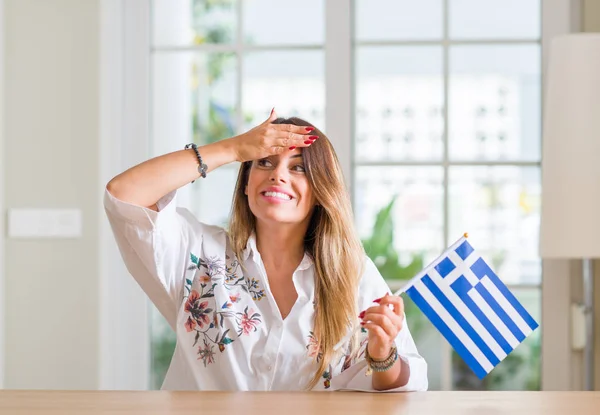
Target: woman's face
278 189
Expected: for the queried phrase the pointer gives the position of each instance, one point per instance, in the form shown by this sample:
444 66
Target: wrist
230 149
219 153
380 353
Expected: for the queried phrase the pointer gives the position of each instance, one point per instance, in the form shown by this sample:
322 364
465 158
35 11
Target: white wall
563 368
591 23
51 160
2 303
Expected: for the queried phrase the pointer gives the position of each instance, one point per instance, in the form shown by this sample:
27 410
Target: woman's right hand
268 139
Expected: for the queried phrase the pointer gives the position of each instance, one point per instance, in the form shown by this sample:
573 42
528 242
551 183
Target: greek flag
466 301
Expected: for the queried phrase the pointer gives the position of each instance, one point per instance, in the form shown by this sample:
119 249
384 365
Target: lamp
570 222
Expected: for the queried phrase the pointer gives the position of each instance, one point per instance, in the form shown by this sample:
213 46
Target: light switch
44 223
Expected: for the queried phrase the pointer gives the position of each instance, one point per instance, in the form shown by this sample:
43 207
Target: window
217 70
446 125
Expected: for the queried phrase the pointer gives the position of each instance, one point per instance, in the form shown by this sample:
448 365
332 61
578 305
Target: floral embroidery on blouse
313 348
247 321
315 352
252 287
206 353
228 273
206 321
199 311
347 357
327 375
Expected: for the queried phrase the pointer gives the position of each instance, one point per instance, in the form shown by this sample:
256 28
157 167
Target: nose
279 174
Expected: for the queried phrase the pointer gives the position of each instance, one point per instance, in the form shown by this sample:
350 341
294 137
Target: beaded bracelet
201 166
381 365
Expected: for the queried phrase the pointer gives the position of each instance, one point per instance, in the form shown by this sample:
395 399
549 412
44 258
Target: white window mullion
339 81
239 51
218 47
471 42
446 350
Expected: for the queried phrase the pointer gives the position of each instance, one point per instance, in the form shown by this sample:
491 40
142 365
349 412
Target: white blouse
230 333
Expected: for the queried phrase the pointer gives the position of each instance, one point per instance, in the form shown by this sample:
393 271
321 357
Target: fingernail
377 301
292 147
308 142
309 129
362 323
313 137
361 315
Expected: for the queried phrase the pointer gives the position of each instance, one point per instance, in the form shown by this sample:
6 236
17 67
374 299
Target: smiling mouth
277 195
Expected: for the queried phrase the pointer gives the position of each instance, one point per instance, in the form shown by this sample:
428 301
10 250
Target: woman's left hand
383 325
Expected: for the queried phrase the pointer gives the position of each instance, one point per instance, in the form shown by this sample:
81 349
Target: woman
274 303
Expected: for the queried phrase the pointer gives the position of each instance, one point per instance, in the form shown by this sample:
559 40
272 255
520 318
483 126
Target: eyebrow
291 157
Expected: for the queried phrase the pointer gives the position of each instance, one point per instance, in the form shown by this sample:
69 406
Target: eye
264 163
299 168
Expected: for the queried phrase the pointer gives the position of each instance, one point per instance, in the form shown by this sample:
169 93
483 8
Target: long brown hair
331 240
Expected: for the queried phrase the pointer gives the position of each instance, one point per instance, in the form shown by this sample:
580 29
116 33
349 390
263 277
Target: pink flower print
189 304
248 321
190 324
313 348
198 310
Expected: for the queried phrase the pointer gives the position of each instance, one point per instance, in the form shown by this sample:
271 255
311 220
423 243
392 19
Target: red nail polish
362 323
309 129
361 315
313 137
308 142
377 301
292 147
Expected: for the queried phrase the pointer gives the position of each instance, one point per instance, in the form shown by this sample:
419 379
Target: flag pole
417 277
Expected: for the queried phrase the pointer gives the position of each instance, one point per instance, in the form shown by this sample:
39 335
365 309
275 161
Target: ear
246 190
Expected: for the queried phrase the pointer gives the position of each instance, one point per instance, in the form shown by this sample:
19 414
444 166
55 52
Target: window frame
446 163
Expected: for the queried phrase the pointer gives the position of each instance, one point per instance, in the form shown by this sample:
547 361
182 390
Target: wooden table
250 403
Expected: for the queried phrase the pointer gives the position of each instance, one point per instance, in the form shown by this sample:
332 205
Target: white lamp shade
570 222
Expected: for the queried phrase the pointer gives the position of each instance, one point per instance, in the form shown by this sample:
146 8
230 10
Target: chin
278 216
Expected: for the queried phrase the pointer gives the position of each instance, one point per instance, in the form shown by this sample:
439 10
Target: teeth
278 195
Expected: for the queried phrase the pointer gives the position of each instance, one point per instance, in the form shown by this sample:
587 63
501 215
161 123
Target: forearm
146 183
393 378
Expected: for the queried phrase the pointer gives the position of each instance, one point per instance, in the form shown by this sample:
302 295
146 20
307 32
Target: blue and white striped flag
466 301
